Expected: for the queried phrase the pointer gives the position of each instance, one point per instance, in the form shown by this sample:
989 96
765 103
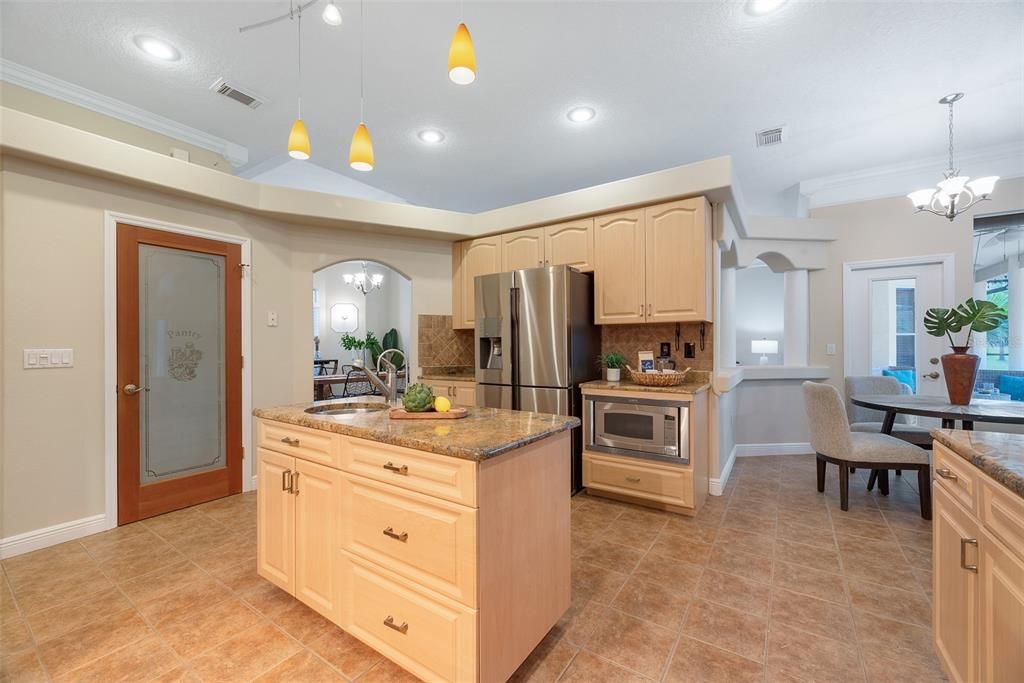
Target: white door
883 319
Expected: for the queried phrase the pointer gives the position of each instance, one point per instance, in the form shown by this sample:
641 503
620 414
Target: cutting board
403 414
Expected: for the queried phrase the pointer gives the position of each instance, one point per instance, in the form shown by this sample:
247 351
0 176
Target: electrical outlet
830 349
271 318
666 349
689 350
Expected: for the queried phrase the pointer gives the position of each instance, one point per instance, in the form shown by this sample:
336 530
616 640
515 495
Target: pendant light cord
300 60
362 119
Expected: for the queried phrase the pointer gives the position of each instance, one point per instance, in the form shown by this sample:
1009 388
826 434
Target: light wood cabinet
476 257
978 589
570 244
522 249
653 264
619 268
275 519
460 393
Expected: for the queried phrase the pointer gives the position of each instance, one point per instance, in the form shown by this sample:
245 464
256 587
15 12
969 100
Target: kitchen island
442 544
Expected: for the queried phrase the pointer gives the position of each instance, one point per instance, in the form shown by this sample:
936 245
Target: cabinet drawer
1002 513
441 476
426 540
430 636
309 444
958 476
630 476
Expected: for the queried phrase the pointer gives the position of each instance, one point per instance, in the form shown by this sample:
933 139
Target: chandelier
956 193
364 281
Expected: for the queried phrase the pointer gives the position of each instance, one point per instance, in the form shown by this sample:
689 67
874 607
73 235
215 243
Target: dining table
978 410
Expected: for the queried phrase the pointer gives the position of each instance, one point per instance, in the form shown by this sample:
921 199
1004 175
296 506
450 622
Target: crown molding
42 83
879 182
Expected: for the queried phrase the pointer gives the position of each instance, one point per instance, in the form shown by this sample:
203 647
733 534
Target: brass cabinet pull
390 623
964 542
295 483
649 309
290 441
403 537
635 480
946 474
404 469
286 481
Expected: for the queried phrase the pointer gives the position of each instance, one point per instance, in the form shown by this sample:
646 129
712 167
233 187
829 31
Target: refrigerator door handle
514 350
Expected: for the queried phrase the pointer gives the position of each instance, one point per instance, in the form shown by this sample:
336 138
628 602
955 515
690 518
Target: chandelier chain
951 138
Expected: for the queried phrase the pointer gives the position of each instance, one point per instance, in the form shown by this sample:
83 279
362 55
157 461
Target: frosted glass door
181 356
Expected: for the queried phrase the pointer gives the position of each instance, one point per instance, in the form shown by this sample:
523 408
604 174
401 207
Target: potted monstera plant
961 367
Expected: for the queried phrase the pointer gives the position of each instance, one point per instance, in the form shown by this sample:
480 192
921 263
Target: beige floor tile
267 599
240 577
579 621
177 603
547 662
851 526
818 584
388 672
77 613
697 662
204 541
818 519
245 655
893 570
15 636
910 605
141 660
346 654
690 528
122 540
88 643
907 520
753 523
302 666
656 519
920 541
795 655
204 626
734 591
652 602
676 575
632 643
738 632
594 582
301 622
588 668
925 580
744 565
162 581
130 565
633 534
681 548
808 535
827 619
8 607
887 670
55 587
807 555
181 674
893 639
744 541
55 560
23 667
612 556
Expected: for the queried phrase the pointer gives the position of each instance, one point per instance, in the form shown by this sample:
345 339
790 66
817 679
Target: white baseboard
746 450
717 486
52 535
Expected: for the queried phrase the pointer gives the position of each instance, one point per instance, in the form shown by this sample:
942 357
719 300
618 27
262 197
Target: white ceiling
855 84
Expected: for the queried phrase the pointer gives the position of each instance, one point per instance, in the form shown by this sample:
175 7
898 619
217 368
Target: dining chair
835 443
868 420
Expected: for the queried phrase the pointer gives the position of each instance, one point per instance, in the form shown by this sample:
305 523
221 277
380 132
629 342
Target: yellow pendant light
298 139
360 152
462 57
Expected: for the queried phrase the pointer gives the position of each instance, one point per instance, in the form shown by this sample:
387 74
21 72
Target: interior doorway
179 370
883 319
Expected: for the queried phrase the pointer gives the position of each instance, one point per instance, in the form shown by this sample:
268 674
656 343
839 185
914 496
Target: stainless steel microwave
641 427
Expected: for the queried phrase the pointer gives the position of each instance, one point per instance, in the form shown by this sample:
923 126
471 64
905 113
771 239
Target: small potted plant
613 363
961 367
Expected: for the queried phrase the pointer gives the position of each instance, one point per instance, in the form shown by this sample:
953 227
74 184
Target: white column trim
796 306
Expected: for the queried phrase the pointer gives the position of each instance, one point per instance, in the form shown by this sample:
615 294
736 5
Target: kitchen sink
347 408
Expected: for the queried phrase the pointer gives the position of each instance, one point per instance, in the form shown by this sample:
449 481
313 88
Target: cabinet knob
964 542
946 474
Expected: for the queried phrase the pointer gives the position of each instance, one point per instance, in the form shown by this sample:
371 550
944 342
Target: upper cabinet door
619 268
522 249
678 238
479 257
570 244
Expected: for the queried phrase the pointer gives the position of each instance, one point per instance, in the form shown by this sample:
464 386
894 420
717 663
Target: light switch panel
271 318
38 359
830 349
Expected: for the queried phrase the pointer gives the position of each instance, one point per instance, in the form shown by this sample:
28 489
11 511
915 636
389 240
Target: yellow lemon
442 404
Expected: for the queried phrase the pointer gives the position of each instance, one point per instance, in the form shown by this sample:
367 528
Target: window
905 324
997 340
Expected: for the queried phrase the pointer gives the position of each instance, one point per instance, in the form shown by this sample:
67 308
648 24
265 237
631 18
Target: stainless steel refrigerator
536 342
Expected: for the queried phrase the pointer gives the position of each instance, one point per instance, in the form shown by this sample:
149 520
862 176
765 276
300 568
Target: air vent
246 97
769 137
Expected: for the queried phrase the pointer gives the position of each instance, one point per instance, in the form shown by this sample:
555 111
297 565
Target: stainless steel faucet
389 387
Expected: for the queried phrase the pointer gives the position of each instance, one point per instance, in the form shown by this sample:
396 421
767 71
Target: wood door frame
946 261
111 219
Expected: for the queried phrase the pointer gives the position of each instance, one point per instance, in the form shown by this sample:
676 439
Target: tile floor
770 582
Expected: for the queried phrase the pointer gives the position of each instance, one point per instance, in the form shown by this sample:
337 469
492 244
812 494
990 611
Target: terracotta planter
961 370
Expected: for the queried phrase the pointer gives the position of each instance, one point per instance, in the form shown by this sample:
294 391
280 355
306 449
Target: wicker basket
657 379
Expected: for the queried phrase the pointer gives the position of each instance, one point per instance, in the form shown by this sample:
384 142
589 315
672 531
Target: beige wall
52 278
44 106
888 228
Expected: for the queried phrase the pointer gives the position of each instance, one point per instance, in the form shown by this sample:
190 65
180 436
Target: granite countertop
453 375
997 454
484 433
687 387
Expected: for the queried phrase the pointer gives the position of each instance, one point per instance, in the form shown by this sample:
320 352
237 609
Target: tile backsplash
442 347
630 340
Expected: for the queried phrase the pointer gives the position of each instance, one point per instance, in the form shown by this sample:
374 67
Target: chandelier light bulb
331 14
982 187
921 198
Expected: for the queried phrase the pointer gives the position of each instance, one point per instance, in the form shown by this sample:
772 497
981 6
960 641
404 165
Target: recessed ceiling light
154 47
581 114
761 7
431 136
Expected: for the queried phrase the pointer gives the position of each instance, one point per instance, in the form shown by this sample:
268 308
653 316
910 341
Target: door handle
131 389
390 623
946 474
964 542
286 481
931 375
390 532
294 478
